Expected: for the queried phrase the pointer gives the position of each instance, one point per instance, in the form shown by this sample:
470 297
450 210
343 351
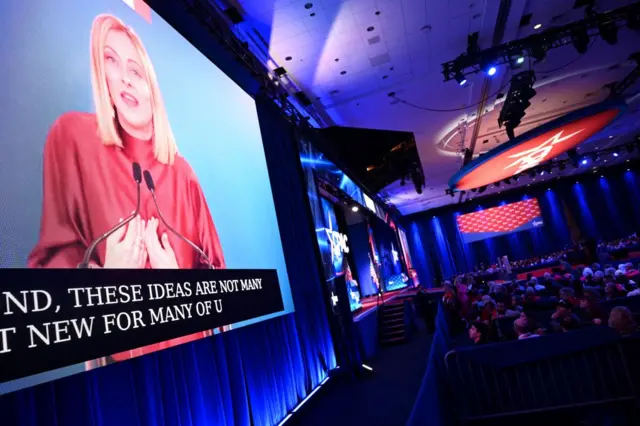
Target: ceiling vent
376 61
374 40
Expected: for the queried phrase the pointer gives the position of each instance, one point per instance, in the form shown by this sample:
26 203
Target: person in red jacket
88 182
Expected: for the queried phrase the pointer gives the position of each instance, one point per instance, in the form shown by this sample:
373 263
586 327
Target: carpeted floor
384 398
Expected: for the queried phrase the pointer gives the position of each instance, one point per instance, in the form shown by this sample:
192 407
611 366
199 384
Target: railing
429 407
585 368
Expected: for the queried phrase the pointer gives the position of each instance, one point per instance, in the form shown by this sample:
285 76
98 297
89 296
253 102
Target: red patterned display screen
500 220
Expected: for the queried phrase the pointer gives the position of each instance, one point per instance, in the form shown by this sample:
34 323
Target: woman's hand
128 252
161 254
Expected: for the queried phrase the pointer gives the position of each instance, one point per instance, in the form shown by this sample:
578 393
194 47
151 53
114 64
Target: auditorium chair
583 368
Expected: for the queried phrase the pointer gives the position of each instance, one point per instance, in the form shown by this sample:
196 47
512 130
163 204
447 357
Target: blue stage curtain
605 207
419 250
250 376
444 252
631 188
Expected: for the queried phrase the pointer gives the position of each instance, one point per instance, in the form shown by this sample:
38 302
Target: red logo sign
535 151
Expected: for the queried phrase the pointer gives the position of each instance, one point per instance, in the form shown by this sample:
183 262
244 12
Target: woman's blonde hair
164 144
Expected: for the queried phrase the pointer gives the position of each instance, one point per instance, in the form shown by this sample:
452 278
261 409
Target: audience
591 308
479 333
552 303
621 320
523 329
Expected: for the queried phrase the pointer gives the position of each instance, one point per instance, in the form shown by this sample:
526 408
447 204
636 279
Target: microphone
137 176
148 180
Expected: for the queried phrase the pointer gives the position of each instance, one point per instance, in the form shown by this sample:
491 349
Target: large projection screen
89 87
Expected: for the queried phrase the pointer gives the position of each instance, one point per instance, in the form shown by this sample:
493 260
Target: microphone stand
89 252
149 182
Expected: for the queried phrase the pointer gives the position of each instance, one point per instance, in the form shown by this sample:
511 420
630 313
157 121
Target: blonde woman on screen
87 181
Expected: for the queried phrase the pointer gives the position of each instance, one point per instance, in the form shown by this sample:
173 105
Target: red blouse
88 187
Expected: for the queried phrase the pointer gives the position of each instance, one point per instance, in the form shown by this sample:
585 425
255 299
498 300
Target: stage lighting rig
578 33
608 30
580 39
417 177
518 100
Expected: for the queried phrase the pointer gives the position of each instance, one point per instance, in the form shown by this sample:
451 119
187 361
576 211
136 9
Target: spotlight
482 189
507 181
516 178
461 79
488 67
516 60
584 161
537 26
355 209
608 31
595 157
616 153
532 173
474 190
497 184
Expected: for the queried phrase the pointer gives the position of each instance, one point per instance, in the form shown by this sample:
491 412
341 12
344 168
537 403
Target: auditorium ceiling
348 55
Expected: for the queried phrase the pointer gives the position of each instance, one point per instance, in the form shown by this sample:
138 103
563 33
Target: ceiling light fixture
537 26
461 79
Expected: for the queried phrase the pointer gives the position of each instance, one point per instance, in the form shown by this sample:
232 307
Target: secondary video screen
501 220
98 94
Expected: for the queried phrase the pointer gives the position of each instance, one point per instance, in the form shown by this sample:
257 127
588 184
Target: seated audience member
536 285
612 291
635 291
631 270
502 311
523 330
610 272
598 279
621 320
530 295
591 308
479 333
531 323
488 311
516 306
567 294
621 277
563 319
